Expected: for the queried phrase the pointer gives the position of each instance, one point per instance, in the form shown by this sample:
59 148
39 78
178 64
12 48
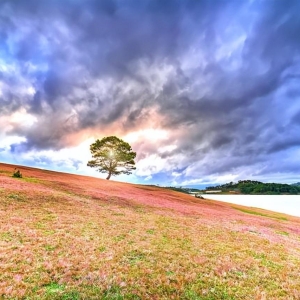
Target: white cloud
151 165
176 174
22 118
149 134
7 141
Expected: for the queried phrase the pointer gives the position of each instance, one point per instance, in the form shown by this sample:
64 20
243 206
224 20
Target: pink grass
89 237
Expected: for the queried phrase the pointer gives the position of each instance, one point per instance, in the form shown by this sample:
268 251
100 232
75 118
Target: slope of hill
66 236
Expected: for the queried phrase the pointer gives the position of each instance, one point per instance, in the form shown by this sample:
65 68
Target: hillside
67 236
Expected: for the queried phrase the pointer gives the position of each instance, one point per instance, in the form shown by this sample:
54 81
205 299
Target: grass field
65 236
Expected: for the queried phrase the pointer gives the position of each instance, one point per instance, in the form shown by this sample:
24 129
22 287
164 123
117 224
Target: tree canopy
113 156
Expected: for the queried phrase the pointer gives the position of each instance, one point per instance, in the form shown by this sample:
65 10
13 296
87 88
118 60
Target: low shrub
17 173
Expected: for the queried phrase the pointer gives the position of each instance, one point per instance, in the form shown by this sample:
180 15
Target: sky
206 92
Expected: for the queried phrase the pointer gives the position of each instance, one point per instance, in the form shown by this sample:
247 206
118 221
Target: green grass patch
283 233
254 212
17 197
54 287
56 291
32 180
119 237
6 236
5 172
49 247
134 256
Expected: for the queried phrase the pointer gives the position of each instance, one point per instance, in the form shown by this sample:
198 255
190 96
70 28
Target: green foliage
113 156
258 188
17 173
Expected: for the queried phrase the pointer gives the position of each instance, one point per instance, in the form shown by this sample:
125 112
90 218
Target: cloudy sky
205 91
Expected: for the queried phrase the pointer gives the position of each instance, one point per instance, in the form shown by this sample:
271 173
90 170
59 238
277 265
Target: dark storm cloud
221 76
296 118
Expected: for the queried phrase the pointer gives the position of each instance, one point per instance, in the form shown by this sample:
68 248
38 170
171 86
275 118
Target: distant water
287 204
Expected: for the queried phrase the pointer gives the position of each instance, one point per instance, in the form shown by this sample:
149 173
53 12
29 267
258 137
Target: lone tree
113 156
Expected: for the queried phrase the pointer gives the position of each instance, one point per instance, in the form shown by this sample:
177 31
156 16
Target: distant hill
296 184
258 188
183 189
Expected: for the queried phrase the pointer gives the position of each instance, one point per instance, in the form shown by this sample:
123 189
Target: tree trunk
109 174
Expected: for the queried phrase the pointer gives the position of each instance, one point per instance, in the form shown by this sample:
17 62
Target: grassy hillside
73 237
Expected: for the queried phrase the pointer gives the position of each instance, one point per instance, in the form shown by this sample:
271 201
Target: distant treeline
182 190
258 188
